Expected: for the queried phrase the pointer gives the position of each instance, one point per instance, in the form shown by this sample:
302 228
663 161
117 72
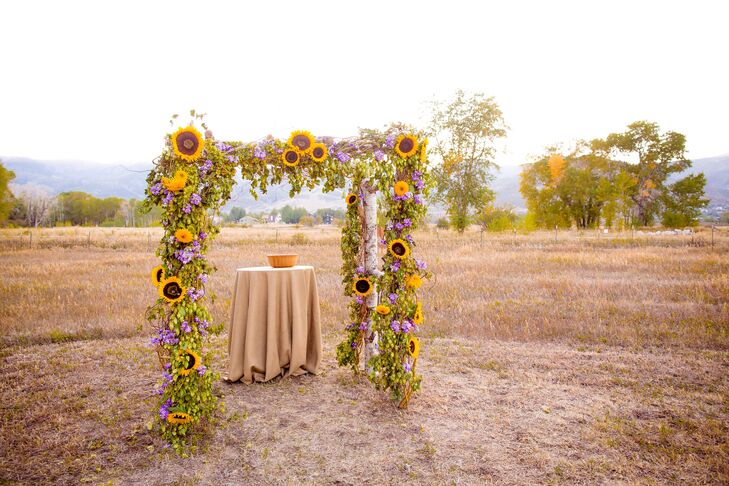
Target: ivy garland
193 178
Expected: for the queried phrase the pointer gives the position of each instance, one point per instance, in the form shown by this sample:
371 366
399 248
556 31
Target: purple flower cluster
195 294
164 410
410 239
360 269
205 167
223 147
351 326
407 367
187 209
166 336
418 199
156 189
185 326
259 152
185 255
359 300
404 197
363 326
202 235
202 326
195 199
407 326
379 155
420 264
392 297
168 198
203 277
390 141
395 325
201 370
343 156
418 178
395 266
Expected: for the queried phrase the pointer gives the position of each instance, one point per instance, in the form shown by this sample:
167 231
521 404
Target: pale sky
98 81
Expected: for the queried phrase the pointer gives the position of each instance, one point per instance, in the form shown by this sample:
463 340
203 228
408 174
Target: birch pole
369 237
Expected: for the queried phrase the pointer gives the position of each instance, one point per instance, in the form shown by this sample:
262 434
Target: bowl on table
282 261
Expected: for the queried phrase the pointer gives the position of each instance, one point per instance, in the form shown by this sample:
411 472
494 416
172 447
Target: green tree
6 197
464 131
290 215
650 157
683 201
236 214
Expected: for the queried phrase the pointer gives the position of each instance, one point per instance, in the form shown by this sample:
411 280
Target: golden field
578 360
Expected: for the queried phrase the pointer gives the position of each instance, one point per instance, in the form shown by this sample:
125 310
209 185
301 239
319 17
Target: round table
275 326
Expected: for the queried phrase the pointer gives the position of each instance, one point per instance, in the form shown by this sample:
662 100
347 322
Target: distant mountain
129 181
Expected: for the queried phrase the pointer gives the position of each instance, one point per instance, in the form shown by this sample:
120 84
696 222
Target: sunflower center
352 199
187 143
190 362
318 152
398 249
406 145
362 286
412 346
172 290
291 156
301 141
160 272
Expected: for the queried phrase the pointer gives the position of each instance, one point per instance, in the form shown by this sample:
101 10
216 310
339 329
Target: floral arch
193 178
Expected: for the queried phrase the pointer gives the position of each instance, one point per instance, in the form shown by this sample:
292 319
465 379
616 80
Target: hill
129 181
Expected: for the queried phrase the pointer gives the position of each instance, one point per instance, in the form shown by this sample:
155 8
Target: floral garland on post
190 181
398 317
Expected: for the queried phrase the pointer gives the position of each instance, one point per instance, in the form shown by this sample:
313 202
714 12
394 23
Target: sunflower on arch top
190 182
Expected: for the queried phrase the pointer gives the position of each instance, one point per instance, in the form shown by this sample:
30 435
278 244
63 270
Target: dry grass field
581 360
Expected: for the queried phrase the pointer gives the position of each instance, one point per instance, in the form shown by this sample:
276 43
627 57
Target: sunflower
183 236
414 346
302 141
418 317
423 147
158 274
351 198
179 418
187 143
413 281
382 310
399 248
401 187
319 152
290 157
406 145
362 286
173 184
171 289
193 362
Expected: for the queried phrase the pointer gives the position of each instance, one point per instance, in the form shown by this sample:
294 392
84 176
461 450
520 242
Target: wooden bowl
282 261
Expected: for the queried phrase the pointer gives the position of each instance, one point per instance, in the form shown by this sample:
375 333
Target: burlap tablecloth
274 325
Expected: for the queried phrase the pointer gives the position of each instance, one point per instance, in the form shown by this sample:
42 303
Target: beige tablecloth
274 325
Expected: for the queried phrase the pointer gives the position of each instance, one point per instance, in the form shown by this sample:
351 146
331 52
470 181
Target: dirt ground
583 361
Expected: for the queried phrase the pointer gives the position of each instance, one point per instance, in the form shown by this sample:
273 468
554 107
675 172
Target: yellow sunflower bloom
399 248
173 184
319 152
158 274
179 418
401 187
187 143
414 346
183 236
423 148
406 145
302 141
418 317
362 286
290 157
413 281
193 362
382 309
351 198
171 289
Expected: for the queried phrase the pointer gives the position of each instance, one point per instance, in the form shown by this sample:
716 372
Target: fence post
30 240
713 227
555 233
88 240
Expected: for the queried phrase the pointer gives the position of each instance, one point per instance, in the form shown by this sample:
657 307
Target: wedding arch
193 178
